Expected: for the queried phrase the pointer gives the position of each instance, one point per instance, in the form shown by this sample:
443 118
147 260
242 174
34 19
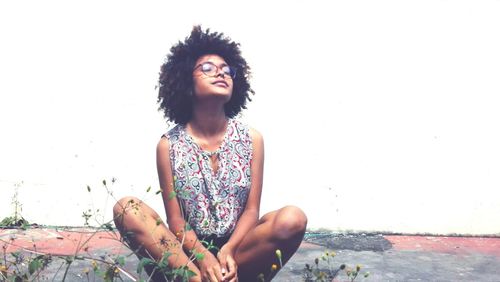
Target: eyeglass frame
217 69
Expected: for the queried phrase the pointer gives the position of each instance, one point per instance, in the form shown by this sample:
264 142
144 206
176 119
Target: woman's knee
123 205
130 210
290 222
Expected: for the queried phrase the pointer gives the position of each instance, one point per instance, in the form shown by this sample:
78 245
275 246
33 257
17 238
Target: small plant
86 216
19 266
316 273
274 268
163 269
16 220
352 274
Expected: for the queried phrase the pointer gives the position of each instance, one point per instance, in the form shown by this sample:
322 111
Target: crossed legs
282 229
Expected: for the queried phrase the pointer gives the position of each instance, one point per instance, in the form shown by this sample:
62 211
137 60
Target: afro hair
175 95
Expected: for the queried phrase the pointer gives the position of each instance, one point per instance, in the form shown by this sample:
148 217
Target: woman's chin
217 96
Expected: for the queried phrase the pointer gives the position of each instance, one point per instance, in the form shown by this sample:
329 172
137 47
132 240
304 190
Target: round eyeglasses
210 69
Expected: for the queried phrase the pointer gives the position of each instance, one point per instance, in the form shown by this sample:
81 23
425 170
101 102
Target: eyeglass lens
211 70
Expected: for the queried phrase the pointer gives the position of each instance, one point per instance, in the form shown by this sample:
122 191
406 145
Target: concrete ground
385 257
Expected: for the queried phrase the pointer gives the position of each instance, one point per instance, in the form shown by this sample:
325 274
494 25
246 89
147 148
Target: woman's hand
210 268
228 264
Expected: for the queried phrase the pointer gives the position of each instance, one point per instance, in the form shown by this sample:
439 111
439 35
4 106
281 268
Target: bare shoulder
163 146
255 135
257 142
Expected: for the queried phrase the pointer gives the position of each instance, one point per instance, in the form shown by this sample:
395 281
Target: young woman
210 168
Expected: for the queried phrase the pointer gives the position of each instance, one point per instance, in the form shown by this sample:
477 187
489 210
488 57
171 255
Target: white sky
361 103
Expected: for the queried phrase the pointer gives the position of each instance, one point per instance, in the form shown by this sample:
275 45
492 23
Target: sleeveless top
212 202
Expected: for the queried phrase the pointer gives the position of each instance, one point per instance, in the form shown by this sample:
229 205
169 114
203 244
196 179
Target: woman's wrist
227 248
199 249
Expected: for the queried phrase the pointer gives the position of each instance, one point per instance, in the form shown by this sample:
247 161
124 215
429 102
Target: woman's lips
220 83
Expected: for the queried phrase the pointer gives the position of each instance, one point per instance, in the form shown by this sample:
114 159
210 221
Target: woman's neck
207 122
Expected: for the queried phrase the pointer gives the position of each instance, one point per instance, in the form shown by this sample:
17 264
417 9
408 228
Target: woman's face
212 78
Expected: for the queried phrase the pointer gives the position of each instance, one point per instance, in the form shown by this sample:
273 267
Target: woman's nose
220 73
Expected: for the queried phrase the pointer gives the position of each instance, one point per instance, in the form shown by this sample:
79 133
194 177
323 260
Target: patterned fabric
212 202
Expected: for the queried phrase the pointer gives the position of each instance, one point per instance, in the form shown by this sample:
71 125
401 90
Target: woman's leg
282 229
148 235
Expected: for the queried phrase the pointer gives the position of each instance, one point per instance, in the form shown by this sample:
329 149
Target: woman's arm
175 219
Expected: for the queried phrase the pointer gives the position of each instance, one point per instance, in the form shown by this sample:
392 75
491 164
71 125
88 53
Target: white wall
377 115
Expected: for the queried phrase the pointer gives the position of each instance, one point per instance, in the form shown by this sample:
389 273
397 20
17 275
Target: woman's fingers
232 268
223 272
214 275
218 273
228 264
222 261
210 268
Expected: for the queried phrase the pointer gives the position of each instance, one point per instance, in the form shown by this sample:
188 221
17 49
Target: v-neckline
207 155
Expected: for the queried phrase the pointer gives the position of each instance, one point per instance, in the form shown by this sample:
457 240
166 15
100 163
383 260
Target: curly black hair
175 94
